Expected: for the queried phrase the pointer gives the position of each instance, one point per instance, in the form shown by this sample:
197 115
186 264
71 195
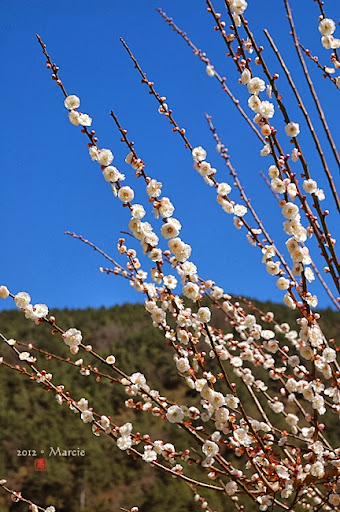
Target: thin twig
222 80
307 118
324 69
316 270
310 84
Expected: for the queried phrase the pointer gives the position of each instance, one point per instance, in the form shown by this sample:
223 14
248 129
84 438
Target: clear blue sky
49 184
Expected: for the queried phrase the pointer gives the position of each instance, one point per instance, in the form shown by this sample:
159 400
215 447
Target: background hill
105 478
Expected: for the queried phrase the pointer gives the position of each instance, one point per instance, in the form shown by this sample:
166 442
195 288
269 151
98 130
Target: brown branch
310 83
320 235
315 268
324 234
95 247
167 113
324 69
221 80
307 118
245 198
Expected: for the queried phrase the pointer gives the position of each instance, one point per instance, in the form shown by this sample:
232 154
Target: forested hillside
33 425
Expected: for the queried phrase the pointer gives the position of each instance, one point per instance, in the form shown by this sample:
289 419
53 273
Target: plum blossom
153 188
290 210
231 488
245 76
72 337
124 442
174 414
329 355
199 154
171 228
210 448
105 157
4 292
22 300
87 416
138 379
256 85
238 6
85 120
326 26
240 210
149 455
310 186
204 315
265 502
210 70
74 117
242 437
126 194
72 102
111 174
191 290
182 364
282 283
292 129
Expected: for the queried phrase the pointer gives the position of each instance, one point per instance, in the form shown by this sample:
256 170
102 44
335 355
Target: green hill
33 425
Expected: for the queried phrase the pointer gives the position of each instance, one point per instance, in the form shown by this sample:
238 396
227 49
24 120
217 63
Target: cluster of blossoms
86 414
141 230
164 209
73 338
263 109
327 28
22 300
223 189
238 7
72 102
17 497
124 441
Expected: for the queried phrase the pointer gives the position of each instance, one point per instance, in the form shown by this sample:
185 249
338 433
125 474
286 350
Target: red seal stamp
40 464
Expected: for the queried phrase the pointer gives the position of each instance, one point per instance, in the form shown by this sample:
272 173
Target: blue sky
48 182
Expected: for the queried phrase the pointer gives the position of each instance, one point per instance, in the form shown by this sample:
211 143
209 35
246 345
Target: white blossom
245 76
231 488
191 290
282 283
84 120
204 315
73 116
327 26
153 188
126 194
290 210
111 174
329 355
199 154
310 186
105 157
72 337
124 442
174 414
238 6
256 85
149 455
72 102
4 292
22 300
210 448
210 70
87 416
292 129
